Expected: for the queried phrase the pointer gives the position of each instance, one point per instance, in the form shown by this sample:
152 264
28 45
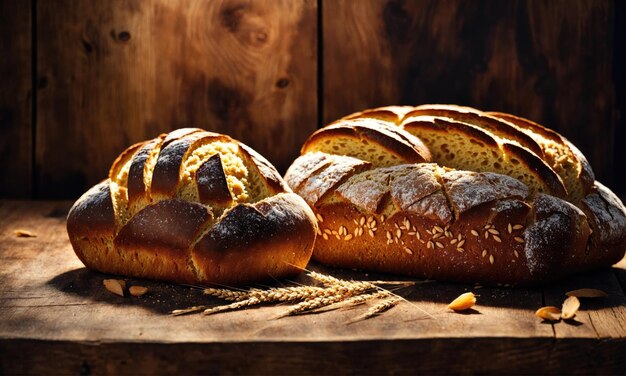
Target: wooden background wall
81 80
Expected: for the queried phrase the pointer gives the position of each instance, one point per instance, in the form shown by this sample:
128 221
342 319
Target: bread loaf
492 198
193 207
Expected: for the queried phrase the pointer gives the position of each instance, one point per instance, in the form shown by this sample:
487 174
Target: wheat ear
226 294
378 308
232 306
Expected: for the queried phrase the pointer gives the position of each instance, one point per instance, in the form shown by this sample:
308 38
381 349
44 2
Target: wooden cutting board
57 317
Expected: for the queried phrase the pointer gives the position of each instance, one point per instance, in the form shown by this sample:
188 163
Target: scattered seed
497 238
549 313
460 249
516 254
138 290
439 244
438 229
114 286
389 235
347 237
518 239
474 232
570 307
486 234
509 228
430 245
494 231
484 252
453 241
319 217
491 259
325 236
517 227
327 231
587 293
398 233
24 233
461 243
362 221
463 302
370 232
408 250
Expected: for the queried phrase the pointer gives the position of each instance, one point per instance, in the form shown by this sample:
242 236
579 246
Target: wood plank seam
33 101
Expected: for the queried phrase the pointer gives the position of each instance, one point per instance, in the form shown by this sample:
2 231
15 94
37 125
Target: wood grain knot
396 21
87 46
231 16
282 83
123 36
226 102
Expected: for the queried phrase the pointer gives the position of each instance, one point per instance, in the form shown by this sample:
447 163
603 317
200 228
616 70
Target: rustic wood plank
16 99
421 356
44 271
114 73
549 61
53 308
601 317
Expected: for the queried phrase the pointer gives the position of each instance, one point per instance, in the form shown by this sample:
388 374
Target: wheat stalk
336 293
180 312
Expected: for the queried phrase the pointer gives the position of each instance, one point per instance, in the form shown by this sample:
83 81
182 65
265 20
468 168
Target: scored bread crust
205 239
431 221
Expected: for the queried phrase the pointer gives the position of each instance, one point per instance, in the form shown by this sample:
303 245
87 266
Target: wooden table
57 317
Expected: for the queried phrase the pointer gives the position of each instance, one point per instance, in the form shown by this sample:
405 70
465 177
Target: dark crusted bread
193 207
430 220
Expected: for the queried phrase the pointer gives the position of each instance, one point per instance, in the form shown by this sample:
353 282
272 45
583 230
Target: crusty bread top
467 147
371 140
546 149
560 154
502 129
190 165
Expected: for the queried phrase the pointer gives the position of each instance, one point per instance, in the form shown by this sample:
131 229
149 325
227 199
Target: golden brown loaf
453 193
193 207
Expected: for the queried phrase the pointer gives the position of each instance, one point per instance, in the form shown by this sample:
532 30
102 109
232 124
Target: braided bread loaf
453 193
193 207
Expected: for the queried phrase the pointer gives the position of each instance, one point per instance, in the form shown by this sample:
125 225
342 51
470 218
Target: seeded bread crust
269 234
432 221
